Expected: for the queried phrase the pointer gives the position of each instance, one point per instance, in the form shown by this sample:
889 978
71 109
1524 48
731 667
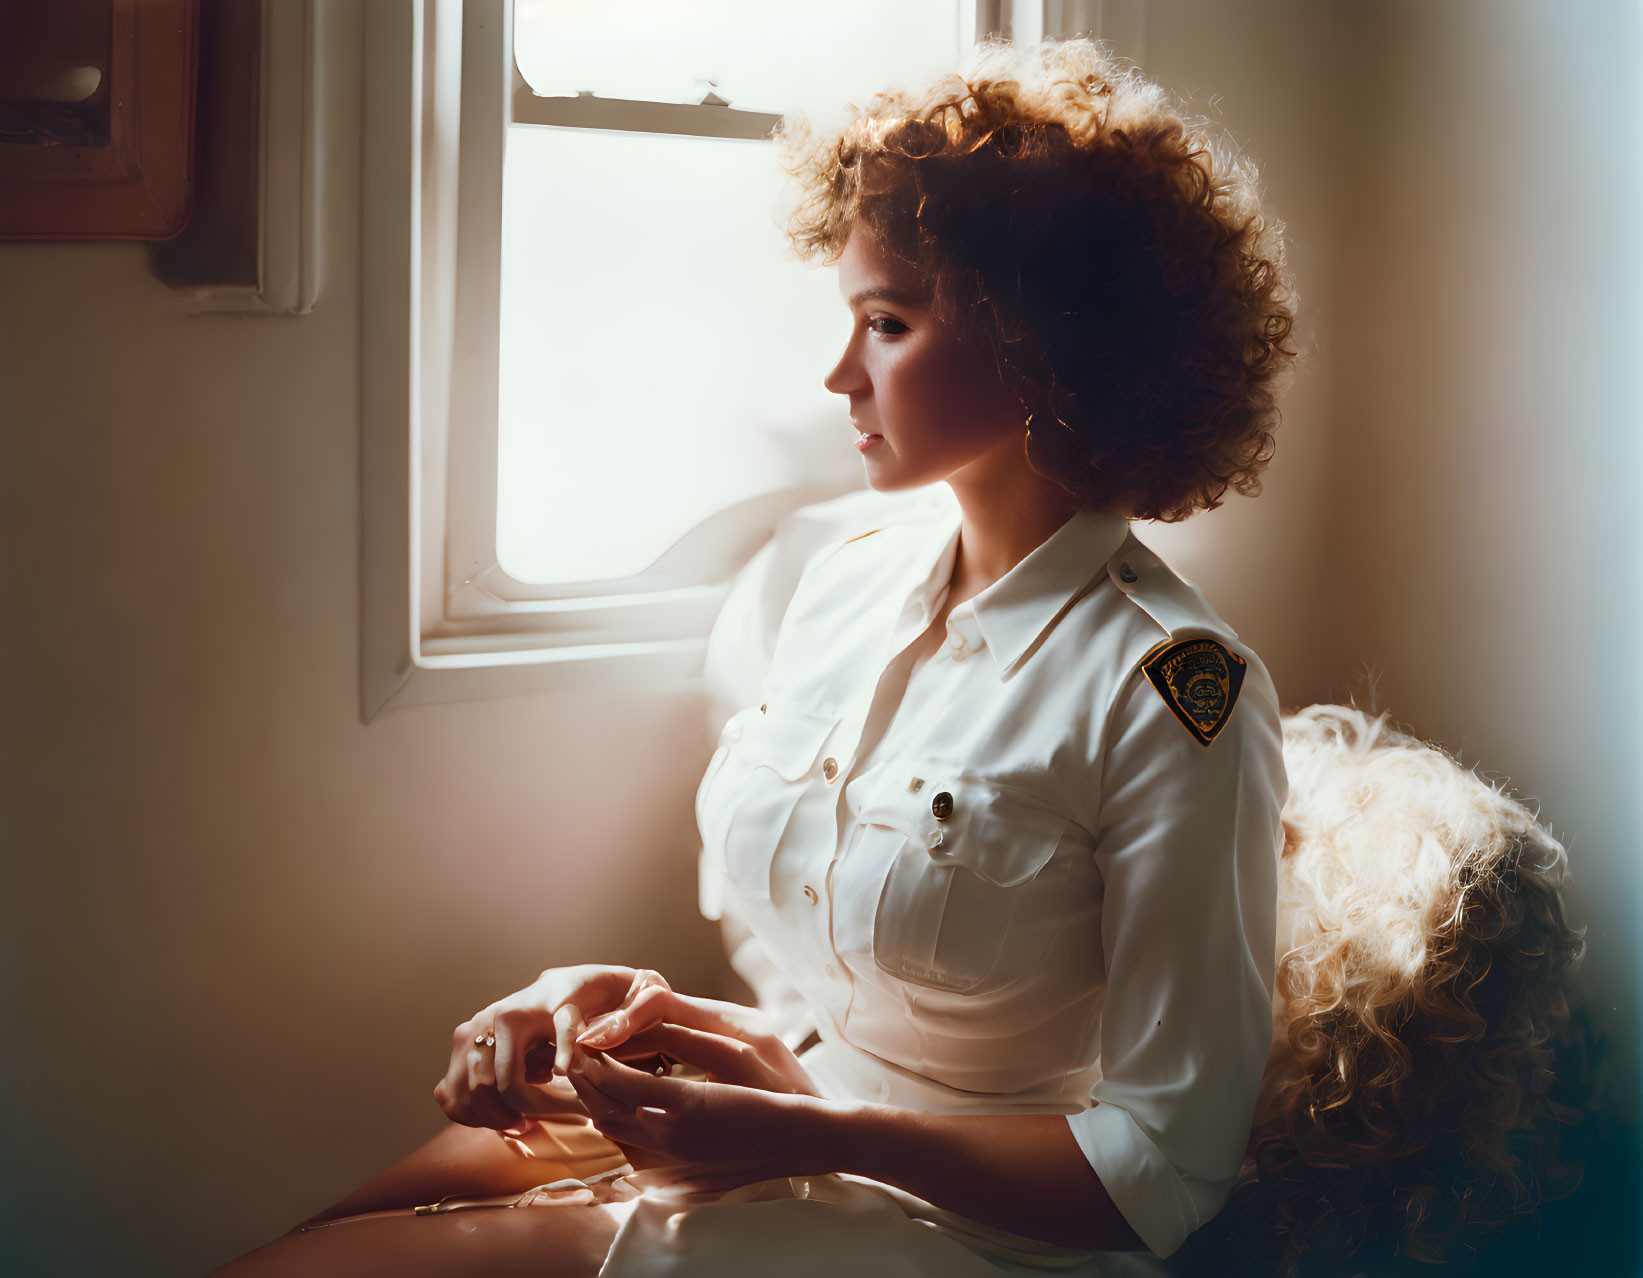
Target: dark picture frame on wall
97 101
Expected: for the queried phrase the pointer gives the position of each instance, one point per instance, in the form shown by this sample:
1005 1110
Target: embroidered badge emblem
1199 679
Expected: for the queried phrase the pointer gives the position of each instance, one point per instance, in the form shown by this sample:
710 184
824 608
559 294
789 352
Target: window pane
661 358
760 55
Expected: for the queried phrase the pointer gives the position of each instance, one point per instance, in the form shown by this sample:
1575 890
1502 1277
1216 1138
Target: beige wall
238 924
1452 530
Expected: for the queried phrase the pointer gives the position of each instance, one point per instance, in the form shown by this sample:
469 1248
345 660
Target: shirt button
810 894
830 769
942 806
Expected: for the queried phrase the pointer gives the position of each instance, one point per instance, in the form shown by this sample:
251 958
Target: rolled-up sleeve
1188 840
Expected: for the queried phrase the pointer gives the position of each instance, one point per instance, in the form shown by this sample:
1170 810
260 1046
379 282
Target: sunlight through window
661 356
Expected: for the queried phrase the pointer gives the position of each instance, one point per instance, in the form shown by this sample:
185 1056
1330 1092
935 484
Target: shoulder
1185 666
1192 748
867 526
804 546
813 534
861 543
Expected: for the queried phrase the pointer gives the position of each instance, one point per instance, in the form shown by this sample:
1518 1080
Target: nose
846 374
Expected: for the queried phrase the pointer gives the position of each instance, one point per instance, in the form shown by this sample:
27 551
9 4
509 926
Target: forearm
1023 1173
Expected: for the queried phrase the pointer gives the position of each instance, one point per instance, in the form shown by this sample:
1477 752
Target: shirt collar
1009 616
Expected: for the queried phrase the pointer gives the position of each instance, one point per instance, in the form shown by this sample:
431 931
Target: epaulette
1191 668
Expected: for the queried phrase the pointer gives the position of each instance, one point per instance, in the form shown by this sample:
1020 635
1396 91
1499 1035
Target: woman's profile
996 817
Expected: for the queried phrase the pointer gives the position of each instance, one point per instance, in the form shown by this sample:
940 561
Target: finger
612 1027
618 1122
480 1073
492 1111
638 1051
473 1109
644 1047
539 1062
656 1004
567 1024
608 1115
727 1059
594 990
606 1031
516 1033
453 1107
453 1101
646 978
714 1015
634 1088
486 1105
648 1005
601 988
541 1102
452 1092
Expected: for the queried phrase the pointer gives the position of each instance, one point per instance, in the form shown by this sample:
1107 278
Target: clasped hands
754 1115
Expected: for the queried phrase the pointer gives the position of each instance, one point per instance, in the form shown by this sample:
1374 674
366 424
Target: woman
1003 816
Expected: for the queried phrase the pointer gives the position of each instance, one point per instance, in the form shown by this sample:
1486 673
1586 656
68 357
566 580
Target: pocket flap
1003 834
783 738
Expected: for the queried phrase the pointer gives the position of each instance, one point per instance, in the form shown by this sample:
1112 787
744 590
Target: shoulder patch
1199 680
859 536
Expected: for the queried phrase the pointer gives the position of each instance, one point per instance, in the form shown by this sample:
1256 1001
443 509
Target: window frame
441 620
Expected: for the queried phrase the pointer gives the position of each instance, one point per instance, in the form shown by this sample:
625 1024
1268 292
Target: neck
1007 514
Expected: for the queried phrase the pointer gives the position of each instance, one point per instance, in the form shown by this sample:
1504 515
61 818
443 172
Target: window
652 328
591 375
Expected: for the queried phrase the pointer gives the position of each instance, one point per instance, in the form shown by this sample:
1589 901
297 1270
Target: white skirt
828 1225
832 1225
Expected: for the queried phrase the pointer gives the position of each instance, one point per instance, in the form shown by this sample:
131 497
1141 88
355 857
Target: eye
896 329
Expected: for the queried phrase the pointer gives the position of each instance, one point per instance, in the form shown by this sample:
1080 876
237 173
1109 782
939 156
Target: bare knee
470 1160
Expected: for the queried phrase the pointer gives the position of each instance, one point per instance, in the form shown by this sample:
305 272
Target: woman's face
937 410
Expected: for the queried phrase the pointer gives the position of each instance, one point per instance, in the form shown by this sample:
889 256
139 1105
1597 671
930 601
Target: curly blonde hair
1110 256
1419 1009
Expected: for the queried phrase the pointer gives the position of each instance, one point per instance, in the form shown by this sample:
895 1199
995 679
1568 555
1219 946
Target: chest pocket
765 760
959 865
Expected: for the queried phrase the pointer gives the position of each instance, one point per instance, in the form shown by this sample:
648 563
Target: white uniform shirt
1008 877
